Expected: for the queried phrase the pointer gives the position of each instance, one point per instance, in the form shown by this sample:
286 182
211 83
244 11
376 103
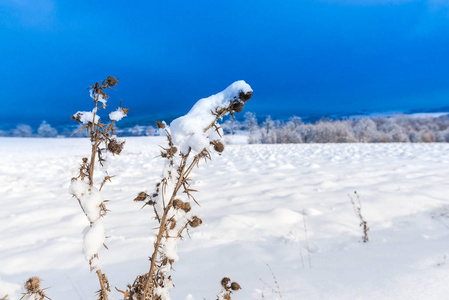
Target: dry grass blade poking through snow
358 212
104 141
190 138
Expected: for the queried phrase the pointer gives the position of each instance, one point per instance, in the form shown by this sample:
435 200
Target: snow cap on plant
198 127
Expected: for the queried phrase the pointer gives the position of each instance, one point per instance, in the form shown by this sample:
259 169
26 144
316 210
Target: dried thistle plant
357 206
190 139
227 287
104 141
33 290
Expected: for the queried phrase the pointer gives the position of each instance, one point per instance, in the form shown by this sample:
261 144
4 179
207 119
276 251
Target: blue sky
300 57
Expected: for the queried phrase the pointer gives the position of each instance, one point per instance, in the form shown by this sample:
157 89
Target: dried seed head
178 203
160 125
125 110
195 222
76 117
225 281
32 285
186 207
235 286
237 107
111 81
245 97
85 160
141 197
227 297
218 146
115 147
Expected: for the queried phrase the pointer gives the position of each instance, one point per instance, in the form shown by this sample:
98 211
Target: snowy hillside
284 207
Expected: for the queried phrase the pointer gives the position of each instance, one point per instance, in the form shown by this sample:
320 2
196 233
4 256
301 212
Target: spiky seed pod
237 107
172 151
141 197
225 281
160 125
111 81
195 222
115 147
85 160
245 97
235 286
178 203
32 285
76 117
218 146
186 207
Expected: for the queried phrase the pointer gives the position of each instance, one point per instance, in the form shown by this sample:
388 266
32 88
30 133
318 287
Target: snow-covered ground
284 207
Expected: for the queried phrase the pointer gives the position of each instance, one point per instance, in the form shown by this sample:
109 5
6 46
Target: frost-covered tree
136 130
267 125
251 125
150 131
22 130
395 131
442 136
268 134
45 130
230 126
364 130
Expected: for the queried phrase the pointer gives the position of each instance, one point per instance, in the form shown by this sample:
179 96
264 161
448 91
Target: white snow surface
10 289
87 116
188 131
255 201
117 115
93 241
101 98
90 198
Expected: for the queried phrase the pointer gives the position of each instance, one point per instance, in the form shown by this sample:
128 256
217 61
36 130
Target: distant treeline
395 129
46 130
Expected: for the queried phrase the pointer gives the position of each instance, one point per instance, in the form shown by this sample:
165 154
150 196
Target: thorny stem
218 115
162 226
94 138
102 285
98 134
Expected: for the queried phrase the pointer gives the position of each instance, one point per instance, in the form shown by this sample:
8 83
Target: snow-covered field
255 202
